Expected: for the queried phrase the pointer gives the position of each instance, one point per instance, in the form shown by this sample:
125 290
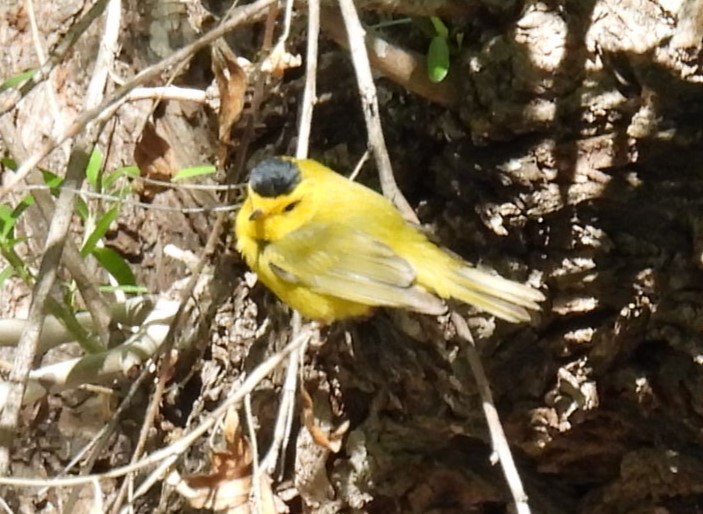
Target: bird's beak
256 214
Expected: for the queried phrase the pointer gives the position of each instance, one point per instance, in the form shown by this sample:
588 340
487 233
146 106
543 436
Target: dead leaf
279 60
332 441
232 84
228 485
155 159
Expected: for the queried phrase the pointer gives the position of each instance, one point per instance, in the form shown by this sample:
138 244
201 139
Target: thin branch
498 439
181 94
310 91
369 103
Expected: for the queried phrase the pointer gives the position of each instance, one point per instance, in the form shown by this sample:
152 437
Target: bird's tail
492 293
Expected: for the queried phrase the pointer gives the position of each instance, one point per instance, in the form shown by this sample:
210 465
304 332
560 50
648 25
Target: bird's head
279 199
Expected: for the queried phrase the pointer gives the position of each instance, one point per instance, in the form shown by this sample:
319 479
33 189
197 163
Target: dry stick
254 445
5 506
180 446
498 439
369 103
55 241
310 91
117 97
286 407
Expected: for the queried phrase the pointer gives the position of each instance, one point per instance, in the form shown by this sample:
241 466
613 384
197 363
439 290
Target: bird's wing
337 260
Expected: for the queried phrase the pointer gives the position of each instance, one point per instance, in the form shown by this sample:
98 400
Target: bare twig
180 94
498 439
369 103
242 151
310 91
359 165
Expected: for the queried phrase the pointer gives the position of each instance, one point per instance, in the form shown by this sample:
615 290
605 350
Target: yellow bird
334 249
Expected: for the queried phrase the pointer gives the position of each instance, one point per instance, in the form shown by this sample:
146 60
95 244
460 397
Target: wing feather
338 260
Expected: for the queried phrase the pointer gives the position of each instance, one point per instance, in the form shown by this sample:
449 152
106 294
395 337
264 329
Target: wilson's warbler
333 249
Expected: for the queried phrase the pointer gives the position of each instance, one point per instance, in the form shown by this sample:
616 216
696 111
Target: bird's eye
291 206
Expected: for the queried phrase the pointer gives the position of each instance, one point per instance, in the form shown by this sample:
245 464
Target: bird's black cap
274 177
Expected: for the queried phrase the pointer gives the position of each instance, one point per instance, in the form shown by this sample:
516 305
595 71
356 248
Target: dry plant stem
498 439
359 165
116 98
369 104
5 507
72 35
404 67
98 443
310 91
29 342
286 407
254 445
177 448
180 94
53 250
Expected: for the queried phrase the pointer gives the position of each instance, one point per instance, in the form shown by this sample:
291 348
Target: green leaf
125 289
6 273
92 170
8 162
195 171
115 265
126 171
101 227
438 59
440 27
82 209
17 80
52 180
7 221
